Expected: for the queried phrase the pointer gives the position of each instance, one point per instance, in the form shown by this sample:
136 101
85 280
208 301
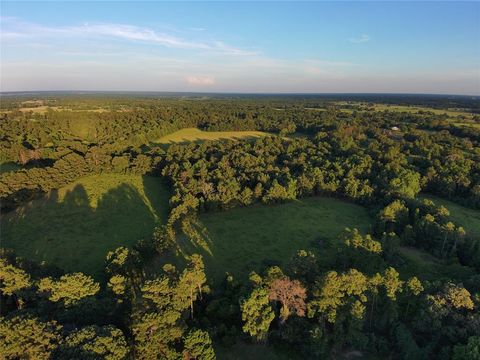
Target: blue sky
401 47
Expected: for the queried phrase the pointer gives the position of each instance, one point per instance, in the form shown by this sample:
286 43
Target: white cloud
13 28
129 32
362 39
84 57
200 80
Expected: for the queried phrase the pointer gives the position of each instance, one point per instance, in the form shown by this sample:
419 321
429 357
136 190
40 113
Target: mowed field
74 227
241 240
197 135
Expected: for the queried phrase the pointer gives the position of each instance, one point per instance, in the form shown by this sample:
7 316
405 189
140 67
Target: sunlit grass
194 134
245 239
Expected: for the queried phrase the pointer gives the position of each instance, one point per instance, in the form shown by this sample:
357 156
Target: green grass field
427 267
9 166
453 113
461 215
468 124
197 135
245 239
75 226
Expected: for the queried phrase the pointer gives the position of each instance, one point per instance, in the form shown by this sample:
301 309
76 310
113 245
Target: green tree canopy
69 289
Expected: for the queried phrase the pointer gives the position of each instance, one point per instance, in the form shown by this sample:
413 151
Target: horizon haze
242 47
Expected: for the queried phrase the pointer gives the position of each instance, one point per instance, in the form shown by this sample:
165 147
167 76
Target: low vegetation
110 210
241 240
196 135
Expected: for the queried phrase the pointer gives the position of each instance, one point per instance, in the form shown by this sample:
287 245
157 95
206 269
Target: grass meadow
197 135
9 166
241 240
427 267
451 113
75 226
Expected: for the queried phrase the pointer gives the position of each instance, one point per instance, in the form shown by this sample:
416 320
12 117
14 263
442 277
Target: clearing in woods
197 135
74 227
245 239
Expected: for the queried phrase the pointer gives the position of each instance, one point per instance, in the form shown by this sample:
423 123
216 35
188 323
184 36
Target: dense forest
357 301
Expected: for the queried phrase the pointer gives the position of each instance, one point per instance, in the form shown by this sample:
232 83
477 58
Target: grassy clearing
405 108
194 134
9 166
74 227
38 109
461 215
245 239
427 267
315 109
468 124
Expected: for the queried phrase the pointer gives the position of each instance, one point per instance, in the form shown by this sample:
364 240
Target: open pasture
241 240
75 226
197 135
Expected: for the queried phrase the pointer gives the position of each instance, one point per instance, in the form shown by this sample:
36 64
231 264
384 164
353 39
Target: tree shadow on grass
76 236
157 193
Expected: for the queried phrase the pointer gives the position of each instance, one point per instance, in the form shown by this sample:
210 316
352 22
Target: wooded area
360 292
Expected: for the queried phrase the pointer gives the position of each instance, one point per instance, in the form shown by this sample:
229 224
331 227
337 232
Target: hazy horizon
226 93
242 48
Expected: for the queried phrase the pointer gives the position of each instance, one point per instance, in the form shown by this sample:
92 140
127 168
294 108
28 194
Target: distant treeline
354 302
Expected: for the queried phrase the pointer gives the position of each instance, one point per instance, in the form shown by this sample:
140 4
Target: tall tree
257 314
198 346
191 281
291 294
27 337
69 289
